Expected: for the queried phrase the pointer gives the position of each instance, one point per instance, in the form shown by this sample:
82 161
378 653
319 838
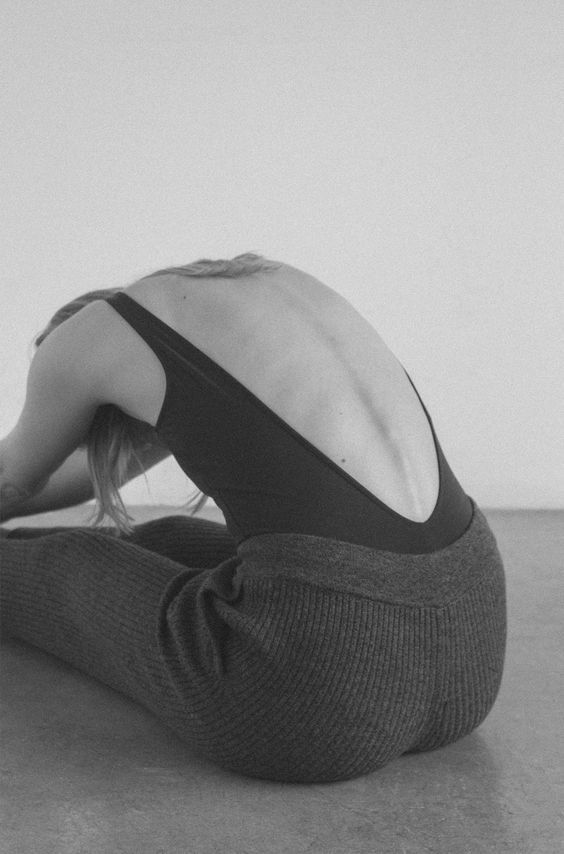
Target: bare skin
308 355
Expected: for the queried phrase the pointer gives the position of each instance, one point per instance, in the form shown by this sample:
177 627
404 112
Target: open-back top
265 476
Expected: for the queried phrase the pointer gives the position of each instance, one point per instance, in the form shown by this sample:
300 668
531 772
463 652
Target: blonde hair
114 439
241 265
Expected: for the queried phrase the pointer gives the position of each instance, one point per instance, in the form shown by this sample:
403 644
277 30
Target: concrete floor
87 772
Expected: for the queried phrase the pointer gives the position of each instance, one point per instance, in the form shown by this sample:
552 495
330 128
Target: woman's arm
69 378
65 386
68 486
71 485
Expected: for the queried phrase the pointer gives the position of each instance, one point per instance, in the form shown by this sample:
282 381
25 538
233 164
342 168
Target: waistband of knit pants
433 579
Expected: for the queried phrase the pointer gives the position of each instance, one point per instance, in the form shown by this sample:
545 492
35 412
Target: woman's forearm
68 486
71 484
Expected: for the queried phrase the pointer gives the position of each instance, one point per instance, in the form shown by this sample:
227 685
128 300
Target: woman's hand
13 496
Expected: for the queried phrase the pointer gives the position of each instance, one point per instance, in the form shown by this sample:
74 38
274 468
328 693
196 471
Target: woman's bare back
310 357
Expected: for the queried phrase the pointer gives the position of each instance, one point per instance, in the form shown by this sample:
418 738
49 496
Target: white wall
408 153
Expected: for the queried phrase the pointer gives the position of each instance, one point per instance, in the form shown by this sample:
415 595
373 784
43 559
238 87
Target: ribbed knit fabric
293 658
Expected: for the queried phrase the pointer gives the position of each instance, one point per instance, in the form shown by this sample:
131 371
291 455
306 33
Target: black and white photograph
282 427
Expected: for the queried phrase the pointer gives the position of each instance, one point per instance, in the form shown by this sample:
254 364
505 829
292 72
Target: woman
353 607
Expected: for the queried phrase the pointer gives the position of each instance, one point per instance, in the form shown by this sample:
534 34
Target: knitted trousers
291 658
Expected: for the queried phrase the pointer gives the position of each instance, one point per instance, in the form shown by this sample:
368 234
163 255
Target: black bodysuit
265 476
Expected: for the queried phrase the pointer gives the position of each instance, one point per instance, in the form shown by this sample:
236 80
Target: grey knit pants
292 658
